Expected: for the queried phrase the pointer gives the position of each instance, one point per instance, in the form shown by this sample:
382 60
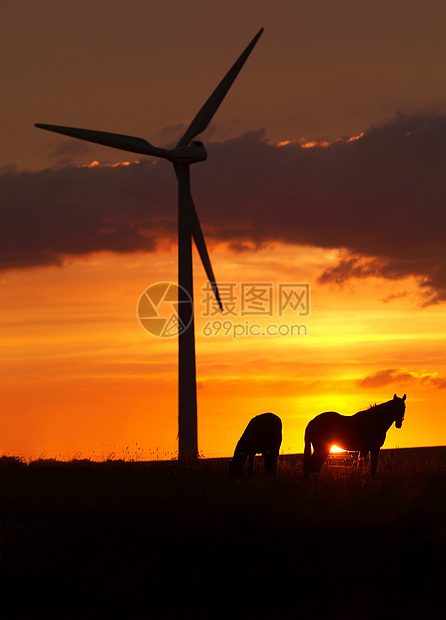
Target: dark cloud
395 376
379 199
77 210
385 377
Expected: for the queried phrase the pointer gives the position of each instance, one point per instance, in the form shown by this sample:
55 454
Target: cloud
380 199
63 151
68 211
392 375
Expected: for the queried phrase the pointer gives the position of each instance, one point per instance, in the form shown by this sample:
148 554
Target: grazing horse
363 432
262 435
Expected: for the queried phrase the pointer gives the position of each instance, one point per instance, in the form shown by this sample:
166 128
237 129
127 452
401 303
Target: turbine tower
186 152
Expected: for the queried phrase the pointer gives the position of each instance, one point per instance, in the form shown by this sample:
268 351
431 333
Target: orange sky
81 377
363 221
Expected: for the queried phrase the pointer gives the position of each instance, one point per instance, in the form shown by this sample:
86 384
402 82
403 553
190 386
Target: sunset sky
326 165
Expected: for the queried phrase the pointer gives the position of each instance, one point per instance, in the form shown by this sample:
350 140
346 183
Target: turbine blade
197 234
204 116
117 141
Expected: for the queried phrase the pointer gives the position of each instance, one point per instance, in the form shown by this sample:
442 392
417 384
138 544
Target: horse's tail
307 454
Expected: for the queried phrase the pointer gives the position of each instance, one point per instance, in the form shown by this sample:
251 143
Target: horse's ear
404 397
394 397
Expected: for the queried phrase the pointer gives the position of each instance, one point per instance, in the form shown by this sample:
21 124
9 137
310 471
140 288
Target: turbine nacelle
191 154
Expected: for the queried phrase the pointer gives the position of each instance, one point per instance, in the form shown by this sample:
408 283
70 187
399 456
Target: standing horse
363 432
262 435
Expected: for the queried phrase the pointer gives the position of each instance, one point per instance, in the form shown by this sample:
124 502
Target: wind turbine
186 152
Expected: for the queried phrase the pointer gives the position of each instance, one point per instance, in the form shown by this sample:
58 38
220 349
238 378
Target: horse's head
237 465
400 408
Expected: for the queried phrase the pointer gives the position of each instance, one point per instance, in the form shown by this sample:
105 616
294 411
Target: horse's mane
375 406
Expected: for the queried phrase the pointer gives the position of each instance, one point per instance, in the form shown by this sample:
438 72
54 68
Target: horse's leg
270 459
308 459
251 458
270 463
373 460
308 462
319 456
363 457
267 461
274 457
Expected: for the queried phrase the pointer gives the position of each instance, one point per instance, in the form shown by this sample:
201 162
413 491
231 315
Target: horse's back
262 431
324 419
325 427
265 422
267 418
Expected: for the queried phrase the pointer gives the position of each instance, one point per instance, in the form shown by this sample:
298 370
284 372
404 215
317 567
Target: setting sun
336 449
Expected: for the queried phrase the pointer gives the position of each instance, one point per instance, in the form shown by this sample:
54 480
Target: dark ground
167 540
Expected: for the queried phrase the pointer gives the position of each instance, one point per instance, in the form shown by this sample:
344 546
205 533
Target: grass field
168 540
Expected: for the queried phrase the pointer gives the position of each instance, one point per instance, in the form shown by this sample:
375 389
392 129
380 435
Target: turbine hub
190 154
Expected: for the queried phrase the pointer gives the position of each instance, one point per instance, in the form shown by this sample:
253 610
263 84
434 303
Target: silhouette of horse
262 435
363 432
